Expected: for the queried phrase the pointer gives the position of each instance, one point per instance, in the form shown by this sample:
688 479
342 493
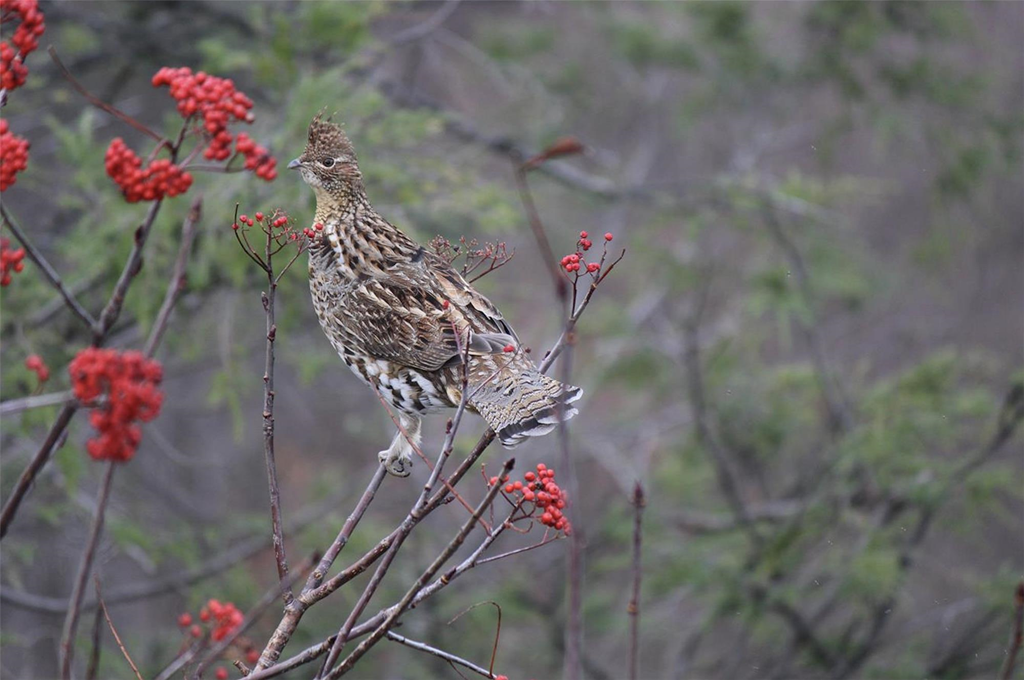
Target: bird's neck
356 241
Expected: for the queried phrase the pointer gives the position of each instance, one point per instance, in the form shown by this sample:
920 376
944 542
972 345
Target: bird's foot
397 462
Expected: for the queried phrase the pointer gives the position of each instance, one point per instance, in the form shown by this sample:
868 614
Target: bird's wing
480 312
401 317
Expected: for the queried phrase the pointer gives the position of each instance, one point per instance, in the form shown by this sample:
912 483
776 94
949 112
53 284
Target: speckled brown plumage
397 314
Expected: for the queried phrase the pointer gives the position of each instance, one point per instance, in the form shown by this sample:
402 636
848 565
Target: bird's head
328 163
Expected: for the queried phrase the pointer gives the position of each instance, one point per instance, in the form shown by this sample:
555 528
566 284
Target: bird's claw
398 463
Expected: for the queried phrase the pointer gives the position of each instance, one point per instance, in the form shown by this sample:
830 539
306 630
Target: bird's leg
397 458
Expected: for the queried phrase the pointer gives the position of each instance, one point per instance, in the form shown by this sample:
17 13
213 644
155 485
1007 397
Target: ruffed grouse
392 310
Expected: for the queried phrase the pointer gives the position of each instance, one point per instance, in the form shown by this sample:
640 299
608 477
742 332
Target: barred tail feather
533 407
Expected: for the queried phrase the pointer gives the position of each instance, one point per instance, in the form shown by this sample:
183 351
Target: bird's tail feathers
531 406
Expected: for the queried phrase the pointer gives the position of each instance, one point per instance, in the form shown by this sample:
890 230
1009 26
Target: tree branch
48 271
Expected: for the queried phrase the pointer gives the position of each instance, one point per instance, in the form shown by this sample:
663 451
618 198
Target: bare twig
397 610
84 567
268 422
37 463
97 645
297 607
1017 636
117 638
634 602
312 653
497 631
440 653
97 102
48 271
12 406
419 510
177 283
539 234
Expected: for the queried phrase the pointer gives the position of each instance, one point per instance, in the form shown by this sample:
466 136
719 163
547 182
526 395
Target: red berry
196 631
608 236
529 476
494 480
517 486
583 234
221 674
185 620
509 348
252 656
509 488
444 304
593 267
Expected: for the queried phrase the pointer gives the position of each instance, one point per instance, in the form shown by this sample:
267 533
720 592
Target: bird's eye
327 162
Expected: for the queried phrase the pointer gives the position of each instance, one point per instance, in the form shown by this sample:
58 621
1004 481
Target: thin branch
440 653
84 567
269 298
99 103
297 607
117 638
392 618
97 646
12 406
177 283
539 234
419 510
497 631
312 653
28 475
634 602
48 271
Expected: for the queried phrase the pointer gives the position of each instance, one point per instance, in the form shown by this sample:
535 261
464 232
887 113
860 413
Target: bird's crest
327 139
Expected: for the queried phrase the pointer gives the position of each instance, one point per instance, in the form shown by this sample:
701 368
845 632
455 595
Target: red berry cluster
224 617
257 158
547 497
10 260
311 232
26 39
13 155
574 262
129 381
220 620
35 364
158 179
218 102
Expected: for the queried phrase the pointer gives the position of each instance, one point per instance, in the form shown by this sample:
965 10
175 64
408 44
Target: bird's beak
294 164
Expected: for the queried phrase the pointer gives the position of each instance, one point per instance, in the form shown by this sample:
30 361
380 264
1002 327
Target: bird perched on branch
406 322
